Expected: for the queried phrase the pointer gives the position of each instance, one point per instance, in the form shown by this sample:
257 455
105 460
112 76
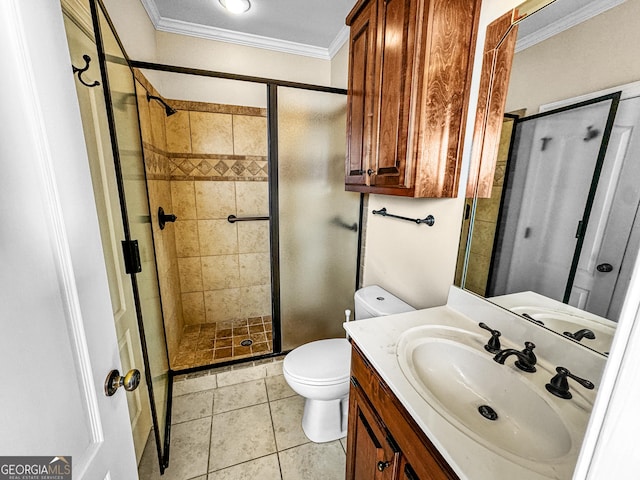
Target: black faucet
580 334
559 385
526 358
493 345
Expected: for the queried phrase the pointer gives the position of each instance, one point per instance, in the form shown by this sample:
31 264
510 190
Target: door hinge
580 229
131 255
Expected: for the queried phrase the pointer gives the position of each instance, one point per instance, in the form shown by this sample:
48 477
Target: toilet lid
320 362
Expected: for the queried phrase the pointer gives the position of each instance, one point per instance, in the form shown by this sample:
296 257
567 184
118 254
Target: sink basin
564 322
452 372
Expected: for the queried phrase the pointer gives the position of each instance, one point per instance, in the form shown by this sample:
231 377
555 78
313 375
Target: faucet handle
493 345
559 386
527 363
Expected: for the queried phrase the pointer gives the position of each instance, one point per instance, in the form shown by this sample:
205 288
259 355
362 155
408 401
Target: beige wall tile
193 308
143 113
178 132
157 115
255 301
217 237
220 272
190 274
187 244
215 199
249 135
252 198
183 199
253 237
221 305
211 133
255 269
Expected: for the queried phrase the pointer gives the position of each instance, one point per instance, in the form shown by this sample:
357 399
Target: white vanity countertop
377 338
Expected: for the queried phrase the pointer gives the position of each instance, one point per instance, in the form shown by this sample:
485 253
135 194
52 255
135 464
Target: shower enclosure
263 248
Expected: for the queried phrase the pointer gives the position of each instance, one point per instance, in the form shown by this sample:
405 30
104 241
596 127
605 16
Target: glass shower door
122 114
318 220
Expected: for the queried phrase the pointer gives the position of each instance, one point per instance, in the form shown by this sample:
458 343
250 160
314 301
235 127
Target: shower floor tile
211 343
257 436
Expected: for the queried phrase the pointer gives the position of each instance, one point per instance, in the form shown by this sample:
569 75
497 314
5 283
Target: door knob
114 381
370 172
383 465
604 267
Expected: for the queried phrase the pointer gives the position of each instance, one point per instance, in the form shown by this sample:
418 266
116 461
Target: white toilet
319 371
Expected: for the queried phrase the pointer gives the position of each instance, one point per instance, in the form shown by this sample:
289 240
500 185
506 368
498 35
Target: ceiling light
236 6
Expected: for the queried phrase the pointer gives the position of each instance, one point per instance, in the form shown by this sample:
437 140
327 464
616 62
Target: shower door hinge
131 255
580 229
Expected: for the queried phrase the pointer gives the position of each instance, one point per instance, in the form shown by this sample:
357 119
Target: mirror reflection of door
563 200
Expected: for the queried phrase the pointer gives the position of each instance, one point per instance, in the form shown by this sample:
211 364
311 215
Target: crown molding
246 39
581 15
79 14
152 11
339 41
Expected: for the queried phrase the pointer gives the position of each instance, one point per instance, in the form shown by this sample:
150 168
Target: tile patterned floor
242 424
210 343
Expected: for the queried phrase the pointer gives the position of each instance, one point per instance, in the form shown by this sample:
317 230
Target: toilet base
325 420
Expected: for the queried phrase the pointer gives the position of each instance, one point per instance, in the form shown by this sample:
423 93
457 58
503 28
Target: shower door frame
98 8
272 156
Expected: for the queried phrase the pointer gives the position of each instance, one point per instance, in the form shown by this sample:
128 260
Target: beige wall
597 54
134 28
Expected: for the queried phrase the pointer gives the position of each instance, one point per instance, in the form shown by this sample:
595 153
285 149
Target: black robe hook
80 71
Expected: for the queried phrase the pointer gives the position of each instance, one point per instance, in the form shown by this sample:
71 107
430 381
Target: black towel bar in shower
428 220
234 219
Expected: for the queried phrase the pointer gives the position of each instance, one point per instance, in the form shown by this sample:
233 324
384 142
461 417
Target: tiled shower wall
152 126
213 159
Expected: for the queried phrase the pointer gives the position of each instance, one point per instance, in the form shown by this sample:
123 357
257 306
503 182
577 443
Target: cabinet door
375 454
397 26
362 47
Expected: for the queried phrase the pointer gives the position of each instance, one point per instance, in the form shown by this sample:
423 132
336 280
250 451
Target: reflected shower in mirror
557 236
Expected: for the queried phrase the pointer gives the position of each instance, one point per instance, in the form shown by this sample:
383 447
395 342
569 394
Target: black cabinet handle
383 465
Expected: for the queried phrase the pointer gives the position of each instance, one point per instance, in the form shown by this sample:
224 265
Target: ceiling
316 28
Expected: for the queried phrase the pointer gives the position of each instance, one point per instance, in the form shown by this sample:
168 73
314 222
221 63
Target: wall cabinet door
362 48
419 91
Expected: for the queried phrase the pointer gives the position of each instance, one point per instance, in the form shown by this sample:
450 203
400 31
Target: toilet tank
374 301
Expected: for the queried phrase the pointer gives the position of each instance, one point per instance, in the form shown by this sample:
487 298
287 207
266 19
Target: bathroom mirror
562 104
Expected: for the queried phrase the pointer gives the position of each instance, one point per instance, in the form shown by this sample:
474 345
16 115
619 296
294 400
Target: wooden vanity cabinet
410 64
383 441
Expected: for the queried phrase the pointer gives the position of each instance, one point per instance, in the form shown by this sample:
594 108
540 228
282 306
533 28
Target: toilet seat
323 362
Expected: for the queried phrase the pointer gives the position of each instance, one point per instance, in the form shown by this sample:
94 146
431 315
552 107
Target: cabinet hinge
131 255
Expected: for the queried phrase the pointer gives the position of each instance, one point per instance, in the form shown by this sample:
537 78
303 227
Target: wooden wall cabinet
410 64
383 441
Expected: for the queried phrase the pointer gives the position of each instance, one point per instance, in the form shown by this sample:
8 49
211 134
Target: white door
96 132
58 338
612 218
